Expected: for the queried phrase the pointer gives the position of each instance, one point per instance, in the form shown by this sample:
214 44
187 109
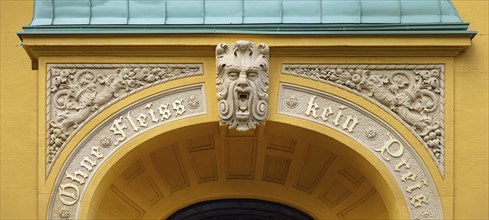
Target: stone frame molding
413 94
78 92
384 142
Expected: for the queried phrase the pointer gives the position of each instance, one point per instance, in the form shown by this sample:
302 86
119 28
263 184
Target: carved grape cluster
434 141
55 141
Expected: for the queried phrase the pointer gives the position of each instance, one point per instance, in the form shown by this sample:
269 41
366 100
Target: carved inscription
77 92
111 134
371 132
388 147
69 192
165 113
393 148
411 93
337 116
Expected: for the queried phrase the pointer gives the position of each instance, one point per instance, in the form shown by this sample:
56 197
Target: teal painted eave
454 28
245 17
95 12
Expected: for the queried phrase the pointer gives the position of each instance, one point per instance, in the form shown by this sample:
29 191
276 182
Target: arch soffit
131 151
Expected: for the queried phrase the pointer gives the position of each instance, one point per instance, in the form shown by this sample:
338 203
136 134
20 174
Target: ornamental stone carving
378 137
411 93
75 93
112 133
242 84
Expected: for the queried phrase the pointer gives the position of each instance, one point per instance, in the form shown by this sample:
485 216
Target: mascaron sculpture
242 84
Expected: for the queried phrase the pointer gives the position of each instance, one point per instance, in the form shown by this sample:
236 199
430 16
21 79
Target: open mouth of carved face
243 101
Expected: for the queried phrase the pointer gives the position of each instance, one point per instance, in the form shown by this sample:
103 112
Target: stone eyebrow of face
242 84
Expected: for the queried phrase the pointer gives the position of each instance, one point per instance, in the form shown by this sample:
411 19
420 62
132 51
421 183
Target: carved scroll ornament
242 84
77 92
413 93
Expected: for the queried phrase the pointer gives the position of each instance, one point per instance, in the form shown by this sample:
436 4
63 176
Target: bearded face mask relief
242 84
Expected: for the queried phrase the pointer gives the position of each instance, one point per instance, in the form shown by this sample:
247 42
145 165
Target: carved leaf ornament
75 93
242 84
412 93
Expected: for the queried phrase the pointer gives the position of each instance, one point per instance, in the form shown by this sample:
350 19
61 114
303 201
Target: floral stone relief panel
78 92
413 94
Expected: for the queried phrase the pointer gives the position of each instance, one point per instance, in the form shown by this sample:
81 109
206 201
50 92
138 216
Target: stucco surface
19 141
18 117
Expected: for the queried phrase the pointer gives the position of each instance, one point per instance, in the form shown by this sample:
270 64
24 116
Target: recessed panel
276 169
316 162
168 164
240 158
205 167
334 194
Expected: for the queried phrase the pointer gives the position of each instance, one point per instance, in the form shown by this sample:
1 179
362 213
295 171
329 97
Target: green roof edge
319 29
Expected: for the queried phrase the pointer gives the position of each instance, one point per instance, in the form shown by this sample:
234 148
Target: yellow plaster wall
471 116
18 118
19 115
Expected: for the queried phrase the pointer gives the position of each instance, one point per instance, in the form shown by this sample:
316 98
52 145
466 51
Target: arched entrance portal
239 209
278 162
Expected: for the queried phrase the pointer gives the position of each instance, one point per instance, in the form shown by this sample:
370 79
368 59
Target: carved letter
338 116
95 152
326 112
403 162
87 163
142 120
311 108
118 128
410 189
386 147
151 112
410 175
164 111
67 197
129 118
417 200
177 106
75 176
354 122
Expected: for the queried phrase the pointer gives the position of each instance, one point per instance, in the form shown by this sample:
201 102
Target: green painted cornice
453 28
245 17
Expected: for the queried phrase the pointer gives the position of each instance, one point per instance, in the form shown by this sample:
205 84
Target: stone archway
396 172
277 162
239 209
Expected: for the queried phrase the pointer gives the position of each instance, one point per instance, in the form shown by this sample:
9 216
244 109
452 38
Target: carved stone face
242 84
